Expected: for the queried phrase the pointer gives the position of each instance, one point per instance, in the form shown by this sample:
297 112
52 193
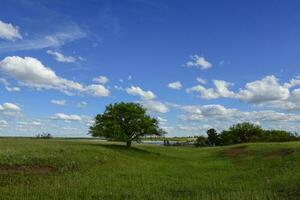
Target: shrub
201 141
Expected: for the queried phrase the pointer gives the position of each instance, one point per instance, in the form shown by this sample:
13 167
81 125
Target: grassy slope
89 170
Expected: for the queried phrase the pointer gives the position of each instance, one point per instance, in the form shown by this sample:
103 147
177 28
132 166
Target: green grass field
81 169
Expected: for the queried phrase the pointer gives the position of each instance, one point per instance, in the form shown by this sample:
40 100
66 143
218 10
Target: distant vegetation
44 136
243 133
128 122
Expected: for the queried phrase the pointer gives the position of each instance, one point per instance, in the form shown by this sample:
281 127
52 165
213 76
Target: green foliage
125 122
241 133
248 132
213 137
44 136
279 136
201 141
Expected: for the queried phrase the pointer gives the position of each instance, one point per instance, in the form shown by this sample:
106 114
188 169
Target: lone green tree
213 137
125 122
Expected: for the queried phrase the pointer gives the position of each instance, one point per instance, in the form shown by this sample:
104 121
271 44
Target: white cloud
204 92
28 123
60 57
68 34
293 82
222 88
96 90
36 123
32 73
201 80
198 61
175 85
12 89
231 115
261 91
9 32
155 106
58 102
101 79
162 120
4 81
81 58
264 90
9 107
65 117
137 91
8 87
3 124
82 104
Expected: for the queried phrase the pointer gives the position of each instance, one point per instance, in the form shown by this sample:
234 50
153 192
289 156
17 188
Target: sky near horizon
193 64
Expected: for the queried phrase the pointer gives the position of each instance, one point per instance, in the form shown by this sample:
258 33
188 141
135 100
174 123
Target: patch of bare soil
15 169
234 152
279 153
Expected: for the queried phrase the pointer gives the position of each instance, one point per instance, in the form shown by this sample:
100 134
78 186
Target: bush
279 136
201 141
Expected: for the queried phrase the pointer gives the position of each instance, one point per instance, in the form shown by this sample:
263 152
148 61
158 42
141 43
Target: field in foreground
81 169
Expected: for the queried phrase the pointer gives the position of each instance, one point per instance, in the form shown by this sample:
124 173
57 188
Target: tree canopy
125 122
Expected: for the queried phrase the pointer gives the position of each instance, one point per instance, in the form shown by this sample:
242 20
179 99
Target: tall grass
92 170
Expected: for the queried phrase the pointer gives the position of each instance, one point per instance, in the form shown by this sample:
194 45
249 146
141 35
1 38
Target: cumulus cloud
65 117
58 102
8 87
3 124
220 90
264 90
59 57
101 79
32 73
9 32
198 61
231 115
261 91
9 107
155 106
96 90
137 91
175 85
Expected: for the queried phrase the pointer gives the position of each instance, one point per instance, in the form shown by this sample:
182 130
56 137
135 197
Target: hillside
84 169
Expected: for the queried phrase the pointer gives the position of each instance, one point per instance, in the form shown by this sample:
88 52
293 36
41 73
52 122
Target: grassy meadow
87 169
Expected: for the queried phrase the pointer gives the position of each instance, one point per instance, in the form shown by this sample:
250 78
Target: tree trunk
128 144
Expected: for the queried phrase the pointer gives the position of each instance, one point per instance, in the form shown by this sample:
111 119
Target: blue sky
193 65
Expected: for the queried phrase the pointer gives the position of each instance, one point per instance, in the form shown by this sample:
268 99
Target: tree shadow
122 148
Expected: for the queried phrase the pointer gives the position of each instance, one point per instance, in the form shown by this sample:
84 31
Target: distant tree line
243 133
44 136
